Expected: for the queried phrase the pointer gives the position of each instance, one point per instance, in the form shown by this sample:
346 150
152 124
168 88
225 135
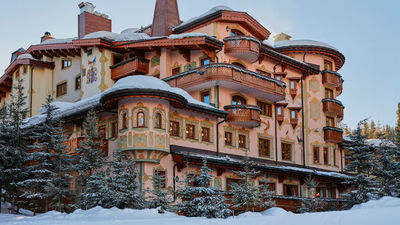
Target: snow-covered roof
153 83
197 18
58 41
186 35
26 56
126 35
287 43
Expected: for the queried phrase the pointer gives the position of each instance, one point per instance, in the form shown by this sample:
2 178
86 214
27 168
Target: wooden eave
285 60
98 42
337 56
54 50
14 66
192 43
244 19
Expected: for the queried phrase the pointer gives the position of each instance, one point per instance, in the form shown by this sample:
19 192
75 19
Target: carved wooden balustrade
333 135
243 115
333 107
132 66
245 48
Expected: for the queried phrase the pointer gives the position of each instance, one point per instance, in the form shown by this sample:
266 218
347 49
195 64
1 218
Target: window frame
261 147
330 121
235 99
286 188
203 94
328 63
204 60
326 155
328 92
190 131
284 151
158 119
64 66
229 183
174 128
61 91
124 120
242 141
114 129
163 180
205 134
78 83
228 138
176 70
316 153
266 108
137 120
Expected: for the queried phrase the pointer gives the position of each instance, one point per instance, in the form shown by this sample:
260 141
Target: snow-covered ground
385 211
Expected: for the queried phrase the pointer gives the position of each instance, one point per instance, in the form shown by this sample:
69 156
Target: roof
285 43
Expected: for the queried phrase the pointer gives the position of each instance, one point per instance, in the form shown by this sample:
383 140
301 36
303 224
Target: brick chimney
46 36
90 21
166 15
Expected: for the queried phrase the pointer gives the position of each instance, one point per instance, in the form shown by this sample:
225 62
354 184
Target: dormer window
235 32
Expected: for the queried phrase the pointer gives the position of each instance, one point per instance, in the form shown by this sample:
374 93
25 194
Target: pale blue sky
366 31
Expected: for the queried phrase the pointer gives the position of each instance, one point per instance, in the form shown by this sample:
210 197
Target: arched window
158 121
238 100
124 120
235 32
239 65
141 119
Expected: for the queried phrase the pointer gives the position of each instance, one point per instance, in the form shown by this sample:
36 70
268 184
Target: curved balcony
132 66
333 135
232 77
333 107
245 48
331 79
243 115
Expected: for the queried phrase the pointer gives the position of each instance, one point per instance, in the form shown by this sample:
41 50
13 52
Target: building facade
172 93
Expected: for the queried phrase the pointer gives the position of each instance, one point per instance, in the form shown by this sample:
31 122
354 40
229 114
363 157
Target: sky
366 31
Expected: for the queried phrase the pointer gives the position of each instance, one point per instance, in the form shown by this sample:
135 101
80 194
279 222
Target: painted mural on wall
91 74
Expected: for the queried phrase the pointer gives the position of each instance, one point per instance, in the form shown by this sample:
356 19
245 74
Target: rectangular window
279 110
205 61
316 154
292 84
174 128
61 89
230 182
264 146
263 72
293 114
114 129
286 151
290 190
89 52
330 121
334 156
66 63
266 109
242 141
278 77
271 186
190 131
205 134
205 97
326 156
78 83
176 70
163 178
328 93
327 65
228 138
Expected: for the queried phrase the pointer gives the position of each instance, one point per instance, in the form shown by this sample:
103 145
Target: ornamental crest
91 74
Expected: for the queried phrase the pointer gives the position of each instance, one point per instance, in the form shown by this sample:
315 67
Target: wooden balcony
333 107
132 66
232 77
333 135
245 48
331 79
243 115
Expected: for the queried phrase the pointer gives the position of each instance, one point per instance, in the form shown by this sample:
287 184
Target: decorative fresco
91 74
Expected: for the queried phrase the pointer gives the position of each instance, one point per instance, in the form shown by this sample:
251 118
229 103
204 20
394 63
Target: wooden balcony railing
245 48
132 66
331 79
232 77
333 135
243 115
333 107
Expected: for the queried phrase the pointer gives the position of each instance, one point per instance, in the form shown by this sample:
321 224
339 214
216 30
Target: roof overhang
54 50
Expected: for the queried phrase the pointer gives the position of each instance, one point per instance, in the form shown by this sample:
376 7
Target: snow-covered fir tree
312 203
159 197
246 195
122 180
49 165
96 192
387 170
266 195
199 199
90 153
361 163
13 147
397 127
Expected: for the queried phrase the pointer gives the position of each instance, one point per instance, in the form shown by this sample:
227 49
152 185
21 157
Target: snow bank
275 211
384 202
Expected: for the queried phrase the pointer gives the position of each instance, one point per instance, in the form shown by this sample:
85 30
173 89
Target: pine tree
266 195
365 130
97 192
361 163
312 203
123 184
90 154
201 199
13 146
49 165
397 127
159 197
246 195
372 130
387 170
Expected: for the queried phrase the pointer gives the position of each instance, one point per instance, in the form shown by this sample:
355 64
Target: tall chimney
166 15
46 36
90 21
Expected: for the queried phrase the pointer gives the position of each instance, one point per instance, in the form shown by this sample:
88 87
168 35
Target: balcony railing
332 79
132 66
333 107
243 115
231 76
333 135
242 47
